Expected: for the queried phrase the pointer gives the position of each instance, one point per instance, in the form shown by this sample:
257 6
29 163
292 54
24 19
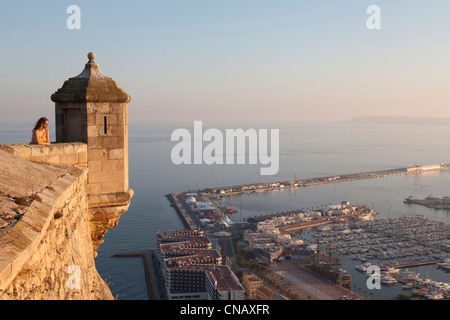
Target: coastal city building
255 288
251 282
192 270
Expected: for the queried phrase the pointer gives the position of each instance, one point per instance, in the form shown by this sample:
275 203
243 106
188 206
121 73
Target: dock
409 264
177 201
431 202
154 289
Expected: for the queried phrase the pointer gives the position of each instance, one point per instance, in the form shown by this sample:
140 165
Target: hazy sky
284 60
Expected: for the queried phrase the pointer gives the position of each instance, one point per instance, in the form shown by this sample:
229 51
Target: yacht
362 267
447 294
392 270
408 274
388 280
434 295
408 286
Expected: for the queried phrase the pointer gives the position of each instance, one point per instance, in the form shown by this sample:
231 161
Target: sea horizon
306 151
315 150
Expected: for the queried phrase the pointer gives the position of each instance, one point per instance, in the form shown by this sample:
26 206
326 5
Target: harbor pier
294 183
151 273
178 202
409 264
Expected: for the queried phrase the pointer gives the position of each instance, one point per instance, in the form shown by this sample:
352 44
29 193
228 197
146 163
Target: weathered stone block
97 107
54 149
94 188
100 119
117 131
69 159
95 142
40 158
82 159
95 166
110 187
68 148
39 150
110 142
22 151
97 154
112 119
109 165
116 176
116 154
79 147
117 107
93 131
97 177
55 159
91 119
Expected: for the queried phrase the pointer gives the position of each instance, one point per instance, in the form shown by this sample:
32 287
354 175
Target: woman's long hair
39 123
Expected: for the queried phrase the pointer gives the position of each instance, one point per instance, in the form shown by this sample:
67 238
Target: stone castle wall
48 252
60 230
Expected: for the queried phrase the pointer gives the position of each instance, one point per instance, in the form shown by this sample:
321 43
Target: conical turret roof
91 85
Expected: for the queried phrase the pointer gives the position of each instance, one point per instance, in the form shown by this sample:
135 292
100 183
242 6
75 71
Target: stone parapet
72 153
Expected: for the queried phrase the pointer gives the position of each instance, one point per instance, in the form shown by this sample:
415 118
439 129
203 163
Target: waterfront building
256 290
192 270
265 293
251 282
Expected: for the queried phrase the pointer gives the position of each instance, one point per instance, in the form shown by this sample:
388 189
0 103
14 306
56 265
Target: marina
391 244
397 239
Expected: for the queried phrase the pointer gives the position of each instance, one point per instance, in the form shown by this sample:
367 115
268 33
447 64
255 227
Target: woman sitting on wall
40 132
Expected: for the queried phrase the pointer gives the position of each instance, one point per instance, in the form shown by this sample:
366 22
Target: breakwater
431 202
151 271
294 183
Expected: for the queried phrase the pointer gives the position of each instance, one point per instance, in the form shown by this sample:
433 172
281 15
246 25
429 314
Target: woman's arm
34 138
47 135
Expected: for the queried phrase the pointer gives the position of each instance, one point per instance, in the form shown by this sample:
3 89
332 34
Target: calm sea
306 150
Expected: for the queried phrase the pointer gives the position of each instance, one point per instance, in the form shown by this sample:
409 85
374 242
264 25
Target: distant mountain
402 120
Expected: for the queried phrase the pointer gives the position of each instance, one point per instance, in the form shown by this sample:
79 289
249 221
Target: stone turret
93 108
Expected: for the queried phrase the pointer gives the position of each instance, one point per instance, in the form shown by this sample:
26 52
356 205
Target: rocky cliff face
46 248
